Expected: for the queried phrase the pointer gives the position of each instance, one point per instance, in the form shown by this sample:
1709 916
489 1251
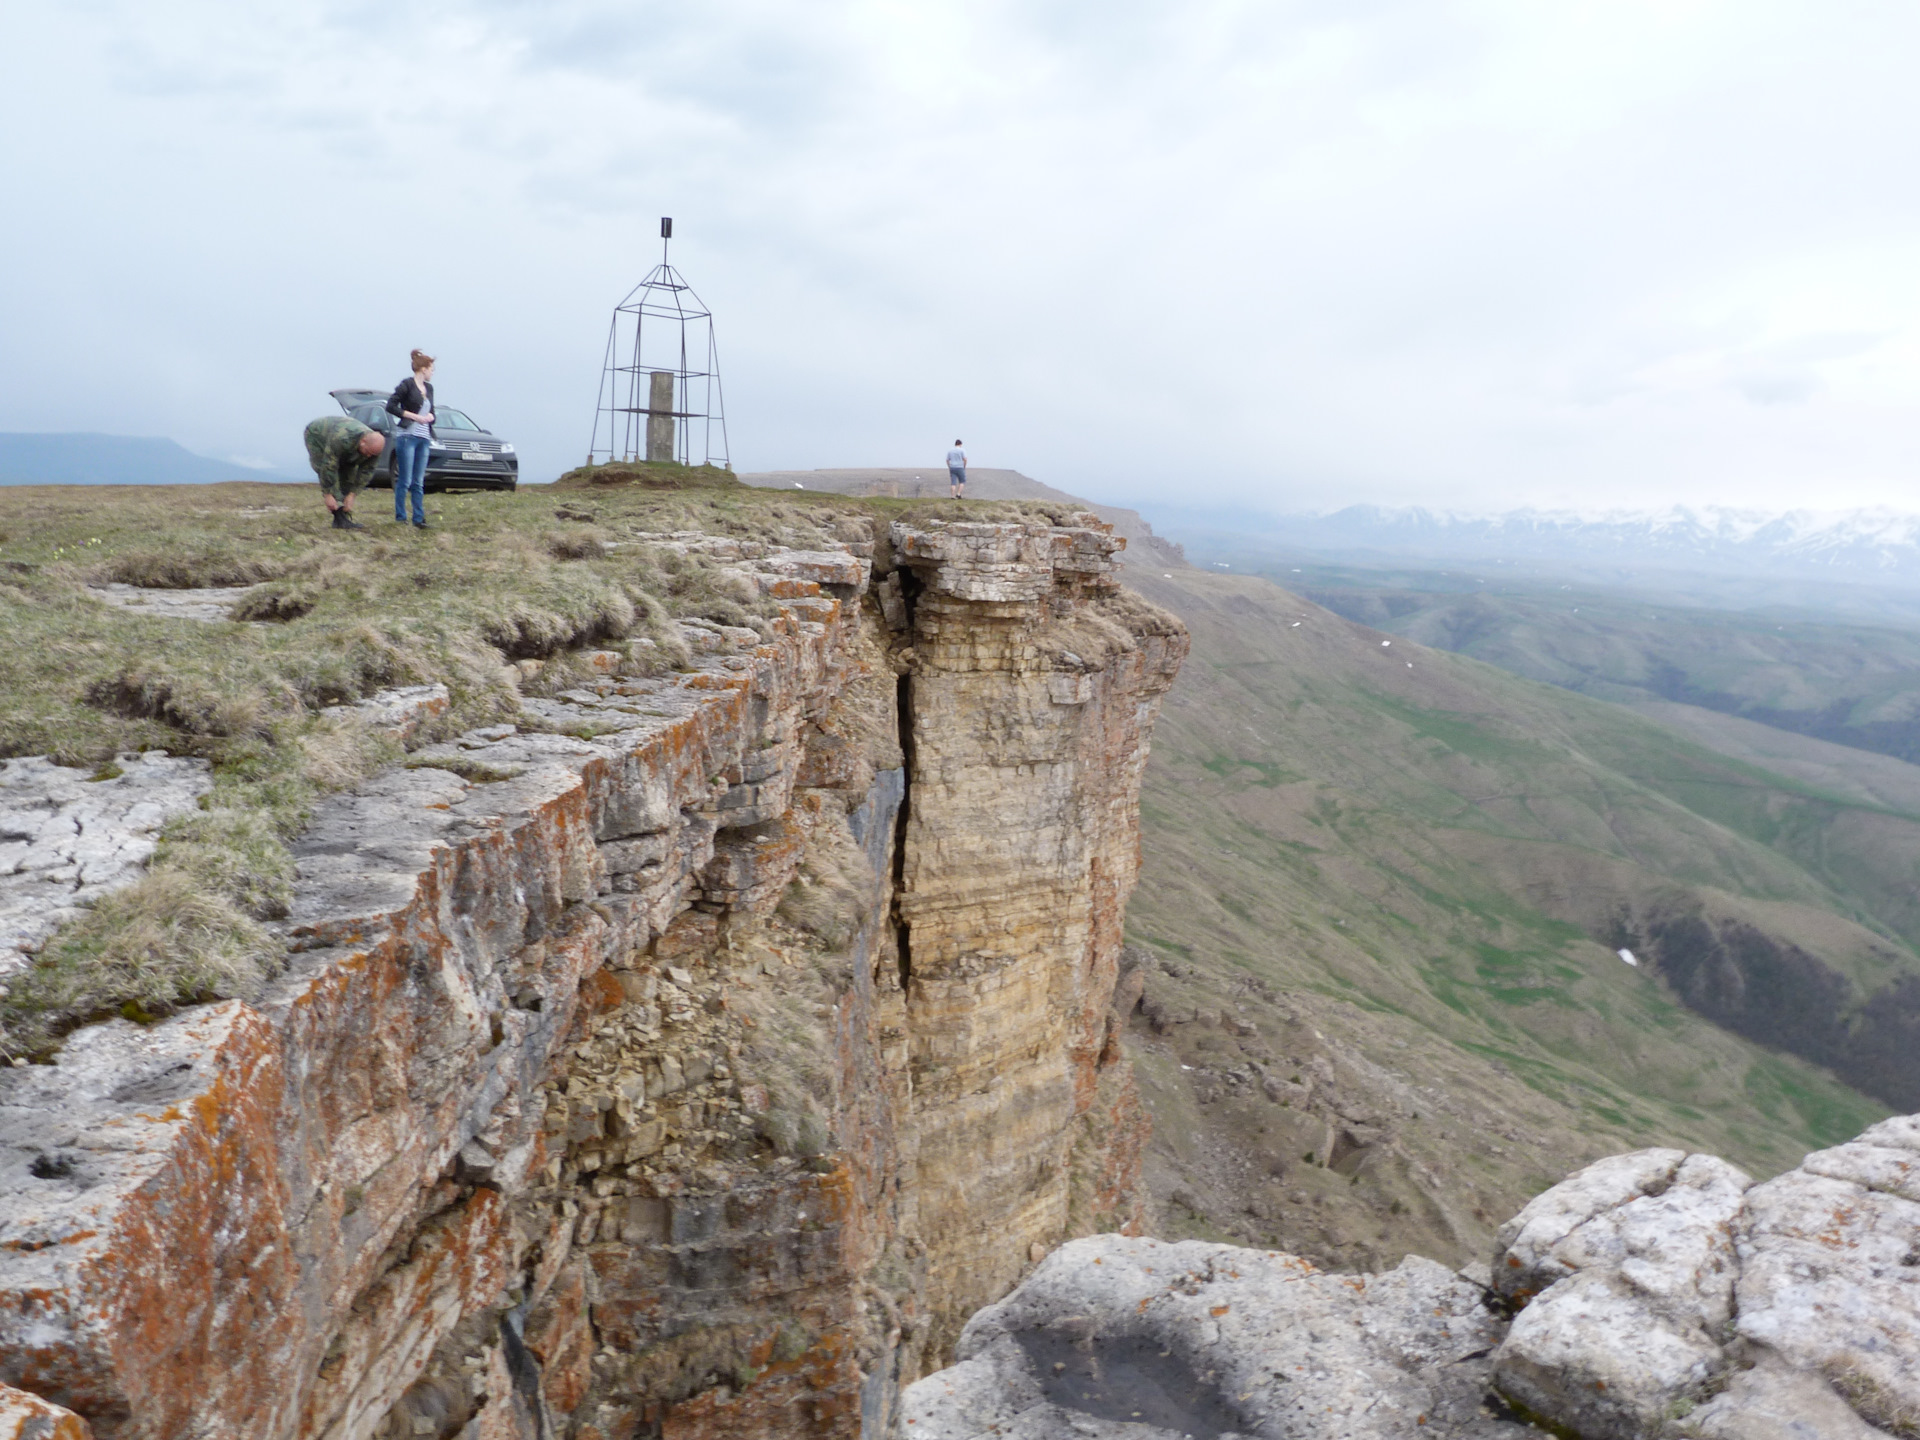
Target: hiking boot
419 524
347 522
338 516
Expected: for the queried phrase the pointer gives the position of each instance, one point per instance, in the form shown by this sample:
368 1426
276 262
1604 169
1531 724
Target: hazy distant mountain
83 459
1877 545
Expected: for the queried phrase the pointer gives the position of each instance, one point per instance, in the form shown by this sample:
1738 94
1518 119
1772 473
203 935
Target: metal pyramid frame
661 329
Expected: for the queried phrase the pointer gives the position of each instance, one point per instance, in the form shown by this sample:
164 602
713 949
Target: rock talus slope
626 1076
1651 1296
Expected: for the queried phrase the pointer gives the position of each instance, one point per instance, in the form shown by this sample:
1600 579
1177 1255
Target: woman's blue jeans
410 477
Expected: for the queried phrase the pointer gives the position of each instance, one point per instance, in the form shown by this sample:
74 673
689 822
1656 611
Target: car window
449 419
373 415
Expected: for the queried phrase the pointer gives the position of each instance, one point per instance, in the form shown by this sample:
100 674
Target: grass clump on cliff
329 619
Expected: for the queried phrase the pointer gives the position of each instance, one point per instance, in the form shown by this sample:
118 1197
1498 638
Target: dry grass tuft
275 603
189 569
1876 1403
576 545
188 704
338 752
166 940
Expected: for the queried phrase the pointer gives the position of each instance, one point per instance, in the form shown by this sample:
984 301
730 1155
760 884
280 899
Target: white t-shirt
956 459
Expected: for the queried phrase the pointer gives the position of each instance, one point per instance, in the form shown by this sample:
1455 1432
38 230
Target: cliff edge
689 1058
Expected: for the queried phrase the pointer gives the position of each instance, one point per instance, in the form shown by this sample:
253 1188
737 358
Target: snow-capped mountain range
1861 545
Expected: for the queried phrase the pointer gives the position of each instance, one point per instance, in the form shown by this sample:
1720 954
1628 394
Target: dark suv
462 456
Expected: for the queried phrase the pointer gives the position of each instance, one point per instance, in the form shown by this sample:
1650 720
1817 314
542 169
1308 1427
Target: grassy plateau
329 618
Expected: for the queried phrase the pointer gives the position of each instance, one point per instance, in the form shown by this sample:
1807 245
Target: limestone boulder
1524 1263
1634 1323
1663 1291
1593 1356
1118 1336
1652 1296
1830 1272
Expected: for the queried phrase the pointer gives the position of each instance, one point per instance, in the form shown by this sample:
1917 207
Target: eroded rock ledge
690 1060
1652 1296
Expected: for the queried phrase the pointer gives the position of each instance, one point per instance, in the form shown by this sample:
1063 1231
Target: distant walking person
956 473
343 453
412 404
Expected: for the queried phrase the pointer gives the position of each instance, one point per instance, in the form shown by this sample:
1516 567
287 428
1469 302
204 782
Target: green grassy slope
1407 872
1853 684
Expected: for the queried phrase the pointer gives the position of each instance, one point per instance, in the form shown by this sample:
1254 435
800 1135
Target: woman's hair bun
421 360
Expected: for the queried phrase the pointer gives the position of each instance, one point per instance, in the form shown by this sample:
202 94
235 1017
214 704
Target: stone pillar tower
662 368
660 427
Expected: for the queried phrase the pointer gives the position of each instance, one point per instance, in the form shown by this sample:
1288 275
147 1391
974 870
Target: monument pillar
660 417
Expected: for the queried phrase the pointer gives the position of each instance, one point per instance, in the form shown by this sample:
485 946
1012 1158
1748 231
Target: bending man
343 453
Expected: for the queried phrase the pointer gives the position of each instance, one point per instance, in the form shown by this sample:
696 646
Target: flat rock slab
67 838
213 604
1115 1336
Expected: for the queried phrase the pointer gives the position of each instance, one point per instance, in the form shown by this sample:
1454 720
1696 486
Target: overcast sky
1280 255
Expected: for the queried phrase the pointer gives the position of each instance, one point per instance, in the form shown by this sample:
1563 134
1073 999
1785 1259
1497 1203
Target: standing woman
412 402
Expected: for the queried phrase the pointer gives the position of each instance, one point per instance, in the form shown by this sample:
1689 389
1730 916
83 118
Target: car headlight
435 445
506 449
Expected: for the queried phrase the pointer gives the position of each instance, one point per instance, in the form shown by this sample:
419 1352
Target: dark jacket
406 396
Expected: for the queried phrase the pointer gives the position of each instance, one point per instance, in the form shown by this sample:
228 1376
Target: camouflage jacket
333 449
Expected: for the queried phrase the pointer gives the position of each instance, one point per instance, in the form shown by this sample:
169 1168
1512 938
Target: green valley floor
1384 896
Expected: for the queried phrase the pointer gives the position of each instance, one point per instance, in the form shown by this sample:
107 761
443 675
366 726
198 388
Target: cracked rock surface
1667 1294
67 838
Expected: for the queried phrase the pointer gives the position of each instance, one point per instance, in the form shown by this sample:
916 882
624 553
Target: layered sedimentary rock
1650 1296
686 1060
1021 847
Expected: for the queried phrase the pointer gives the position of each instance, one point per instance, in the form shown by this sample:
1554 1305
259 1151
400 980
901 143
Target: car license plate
477 457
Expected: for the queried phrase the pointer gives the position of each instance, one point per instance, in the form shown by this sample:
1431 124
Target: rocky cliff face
688 1061
1651 1296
